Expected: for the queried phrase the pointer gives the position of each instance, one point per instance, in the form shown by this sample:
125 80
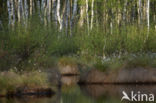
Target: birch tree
92 14
74 12
31 6
39 8
81 19
19 11
54 10
58 14
49 9
139 11
9 11
148 17
26 10
67 15
87 15
12 12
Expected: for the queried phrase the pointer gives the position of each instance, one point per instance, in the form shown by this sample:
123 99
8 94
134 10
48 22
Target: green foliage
37 46
67 61
141 61
122 40
10 81
126 61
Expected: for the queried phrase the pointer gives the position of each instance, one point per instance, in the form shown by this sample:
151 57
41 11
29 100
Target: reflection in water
114 92
70 80
87 94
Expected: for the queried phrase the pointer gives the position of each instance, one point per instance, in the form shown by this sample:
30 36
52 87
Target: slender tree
92 14
19 11
87 15
9 11
58 14
74 12
31 7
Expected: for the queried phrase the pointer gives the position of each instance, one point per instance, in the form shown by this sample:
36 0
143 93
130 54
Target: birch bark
87 15
9 11
19 11
31 7
58 14
92 14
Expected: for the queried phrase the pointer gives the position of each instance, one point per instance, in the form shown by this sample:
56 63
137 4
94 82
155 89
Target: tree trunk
148 14
74 12
31 6
82 11
26 9
139 11
148 17
92 14
19 11
87 15
9 11
58 14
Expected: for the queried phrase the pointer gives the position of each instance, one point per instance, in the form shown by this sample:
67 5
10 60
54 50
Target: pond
75 93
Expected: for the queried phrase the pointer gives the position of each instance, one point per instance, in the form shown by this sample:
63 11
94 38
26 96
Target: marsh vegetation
107 35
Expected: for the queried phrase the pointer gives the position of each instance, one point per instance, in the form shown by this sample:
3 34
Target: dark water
73 93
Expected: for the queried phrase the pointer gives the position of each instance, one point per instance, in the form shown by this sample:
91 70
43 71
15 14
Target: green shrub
10 80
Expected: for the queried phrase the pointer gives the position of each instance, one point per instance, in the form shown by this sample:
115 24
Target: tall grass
36 44
10 81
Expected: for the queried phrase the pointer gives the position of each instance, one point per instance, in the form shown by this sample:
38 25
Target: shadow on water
110 92
70 92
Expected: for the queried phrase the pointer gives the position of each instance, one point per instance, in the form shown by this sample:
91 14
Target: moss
64 61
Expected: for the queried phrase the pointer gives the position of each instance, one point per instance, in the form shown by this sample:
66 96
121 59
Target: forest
106 35
36 30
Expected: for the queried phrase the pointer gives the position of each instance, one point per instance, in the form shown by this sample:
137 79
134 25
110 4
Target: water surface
70 92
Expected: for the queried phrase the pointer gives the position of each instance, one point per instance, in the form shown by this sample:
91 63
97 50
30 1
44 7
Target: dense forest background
35 32
66 13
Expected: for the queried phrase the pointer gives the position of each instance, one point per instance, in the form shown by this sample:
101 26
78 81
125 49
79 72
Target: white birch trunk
87 15
26 13
9 11
81 20
45 15
49 10
43 4
67 16
31 6
148 17
124 11
26 9
92 14
16 5
19 11
139 11
22 11
148 14
54 14
13 12
63 14
58 14
74 12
